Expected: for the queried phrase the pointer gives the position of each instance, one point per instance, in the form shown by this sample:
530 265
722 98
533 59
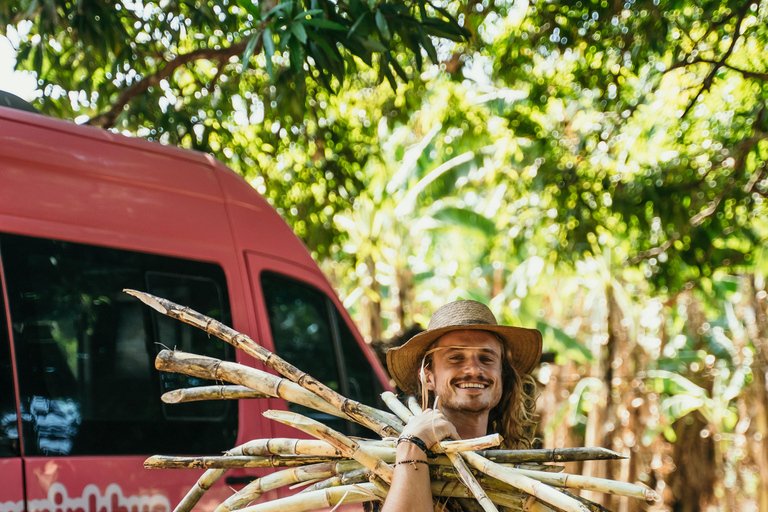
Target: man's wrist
406 438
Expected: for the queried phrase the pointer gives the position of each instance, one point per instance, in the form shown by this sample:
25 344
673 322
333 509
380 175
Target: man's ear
430 379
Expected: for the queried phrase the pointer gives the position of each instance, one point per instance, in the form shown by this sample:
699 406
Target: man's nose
472 367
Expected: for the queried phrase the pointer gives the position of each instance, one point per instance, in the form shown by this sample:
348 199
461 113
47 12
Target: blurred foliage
593 168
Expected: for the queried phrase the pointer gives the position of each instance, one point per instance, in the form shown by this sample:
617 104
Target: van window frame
334 316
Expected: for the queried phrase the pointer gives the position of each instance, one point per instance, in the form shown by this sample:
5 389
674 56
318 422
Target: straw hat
404 362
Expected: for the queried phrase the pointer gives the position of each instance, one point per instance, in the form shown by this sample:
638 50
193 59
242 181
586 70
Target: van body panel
245 205
82 185
93 483
12 490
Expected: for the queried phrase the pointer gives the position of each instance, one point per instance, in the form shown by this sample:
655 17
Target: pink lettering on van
92 500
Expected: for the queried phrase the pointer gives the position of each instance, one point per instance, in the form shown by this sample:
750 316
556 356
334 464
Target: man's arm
410 490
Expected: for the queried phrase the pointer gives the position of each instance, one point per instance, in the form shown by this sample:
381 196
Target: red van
85 213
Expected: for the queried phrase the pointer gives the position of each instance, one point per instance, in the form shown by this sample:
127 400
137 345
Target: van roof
120 177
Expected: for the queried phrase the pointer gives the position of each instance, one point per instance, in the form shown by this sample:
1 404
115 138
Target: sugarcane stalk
255 489
414 405
464 473
356 493
512 501
541 491
396 406
356 476
351 407
224 462
286 446
197 491
179 396
205 482
347 446
550 455
215 369
589 483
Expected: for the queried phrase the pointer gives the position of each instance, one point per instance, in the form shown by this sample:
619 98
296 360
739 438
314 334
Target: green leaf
311 12
250 8
279 8
249 50
323 23
269 51
426 43
356 25
569 347
381 23
296 57
373 45
331 51
679 405
300 32
397 67
673 384
467 219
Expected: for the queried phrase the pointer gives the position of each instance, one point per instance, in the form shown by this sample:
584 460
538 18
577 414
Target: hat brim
404 362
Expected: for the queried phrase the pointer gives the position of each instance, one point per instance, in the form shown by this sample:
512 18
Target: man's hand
431 426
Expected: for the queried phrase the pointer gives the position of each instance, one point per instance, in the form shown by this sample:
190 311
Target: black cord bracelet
413 440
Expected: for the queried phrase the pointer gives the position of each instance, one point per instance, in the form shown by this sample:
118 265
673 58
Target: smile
471 385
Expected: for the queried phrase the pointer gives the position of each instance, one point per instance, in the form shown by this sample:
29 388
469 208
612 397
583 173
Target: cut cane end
147 299
172 397
651 496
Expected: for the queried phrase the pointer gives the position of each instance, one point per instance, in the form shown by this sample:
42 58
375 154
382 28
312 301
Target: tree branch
107 119
741 156
743 72
707 83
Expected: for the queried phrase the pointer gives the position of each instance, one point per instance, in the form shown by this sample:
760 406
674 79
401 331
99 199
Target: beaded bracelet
414 440
412 462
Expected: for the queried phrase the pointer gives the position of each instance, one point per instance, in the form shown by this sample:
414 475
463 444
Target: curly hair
514 417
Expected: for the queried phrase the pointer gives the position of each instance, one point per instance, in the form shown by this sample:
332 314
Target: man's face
466 371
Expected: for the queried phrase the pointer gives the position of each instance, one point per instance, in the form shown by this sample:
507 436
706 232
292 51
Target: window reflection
85 350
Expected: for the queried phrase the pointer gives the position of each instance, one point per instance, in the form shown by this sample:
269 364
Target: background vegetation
595 168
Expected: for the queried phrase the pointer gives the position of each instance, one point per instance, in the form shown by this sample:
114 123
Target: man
479 372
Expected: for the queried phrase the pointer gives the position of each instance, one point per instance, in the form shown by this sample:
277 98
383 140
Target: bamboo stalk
541 491
347 446
179 396
263 382
250 347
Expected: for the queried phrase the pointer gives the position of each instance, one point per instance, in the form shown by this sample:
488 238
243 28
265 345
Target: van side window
310 333
9 427
85 350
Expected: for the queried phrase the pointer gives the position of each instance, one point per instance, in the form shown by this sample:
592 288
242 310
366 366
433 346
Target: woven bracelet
412 462
414 440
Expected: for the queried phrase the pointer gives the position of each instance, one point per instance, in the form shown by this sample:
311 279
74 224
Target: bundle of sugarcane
340 469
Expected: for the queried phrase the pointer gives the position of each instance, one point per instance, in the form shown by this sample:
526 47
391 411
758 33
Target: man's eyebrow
481 349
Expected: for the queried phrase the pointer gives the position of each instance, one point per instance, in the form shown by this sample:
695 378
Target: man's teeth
466 385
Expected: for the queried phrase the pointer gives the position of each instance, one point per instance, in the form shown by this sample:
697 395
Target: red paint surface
59 180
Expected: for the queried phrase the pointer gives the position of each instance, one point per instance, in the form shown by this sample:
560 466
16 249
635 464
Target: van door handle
239 480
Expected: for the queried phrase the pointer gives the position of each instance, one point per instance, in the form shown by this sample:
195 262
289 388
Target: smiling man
480 372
